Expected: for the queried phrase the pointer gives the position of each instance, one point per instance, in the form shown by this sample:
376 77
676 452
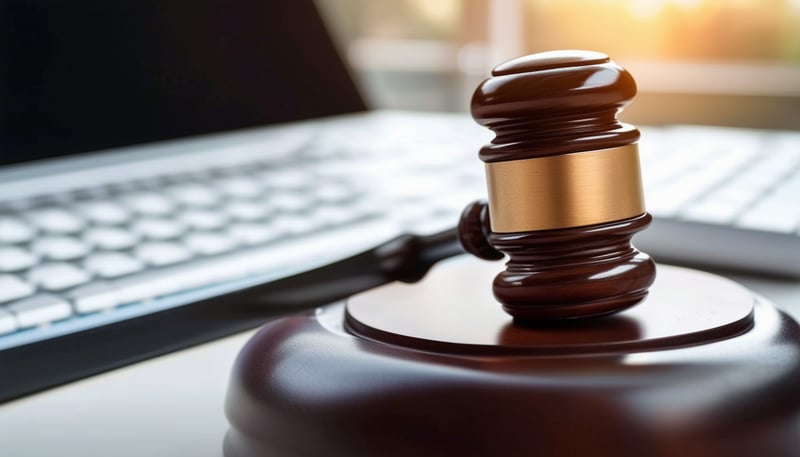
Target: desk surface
172 405
168 406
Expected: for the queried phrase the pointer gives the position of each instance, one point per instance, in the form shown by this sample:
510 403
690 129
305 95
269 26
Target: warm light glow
707 31
652 8
444 12
688 30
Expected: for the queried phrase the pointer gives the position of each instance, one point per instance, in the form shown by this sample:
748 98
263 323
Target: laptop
160 158
118 118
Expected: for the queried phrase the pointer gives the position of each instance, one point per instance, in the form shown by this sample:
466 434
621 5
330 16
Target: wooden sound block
700 368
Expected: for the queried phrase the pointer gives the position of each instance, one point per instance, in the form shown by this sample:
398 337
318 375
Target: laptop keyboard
724 176
98 255
98 252
723 197
89 253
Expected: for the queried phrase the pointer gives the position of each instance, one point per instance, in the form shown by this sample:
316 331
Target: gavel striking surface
422 317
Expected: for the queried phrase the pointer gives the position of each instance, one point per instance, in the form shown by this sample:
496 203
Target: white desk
172 405
164 407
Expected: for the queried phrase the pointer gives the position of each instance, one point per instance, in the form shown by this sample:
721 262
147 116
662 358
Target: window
734 62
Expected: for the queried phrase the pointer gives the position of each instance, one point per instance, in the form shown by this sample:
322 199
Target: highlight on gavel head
564 187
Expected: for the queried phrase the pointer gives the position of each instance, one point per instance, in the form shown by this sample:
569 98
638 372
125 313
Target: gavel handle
406 258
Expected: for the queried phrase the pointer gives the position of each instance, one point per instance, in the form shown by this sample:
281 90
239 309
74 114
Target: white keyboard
99 253
79 267
723 197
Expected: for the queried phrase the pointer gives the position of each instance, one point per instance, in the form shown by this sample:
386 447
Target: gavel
574 349
564 186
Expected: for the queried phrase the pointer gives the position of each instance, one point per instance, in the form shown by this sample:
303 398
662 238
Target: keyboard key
435 222
151 284
333 215
408 214
111 264
145 286
772 217
411 187
787 193
104 212
39 310
286 178
203 219
94 297
733 193
55 220
246 211
753 180
162 253
57 276
209 243
158 228
14 230
712 211
667 202
13 287
60 248
252 233
193 195
240 187
290 201
148 203
13 258
776 163
291 224
110 238
7 322
211 271
334 192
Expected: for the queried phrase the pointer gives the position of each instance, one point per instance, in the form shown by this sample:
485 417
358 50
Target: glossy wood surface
552 103
305 387
685 307
563 273
549 104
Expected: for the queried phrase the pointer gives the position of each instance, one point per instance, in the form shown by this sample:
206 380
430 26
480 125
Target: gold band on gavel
568 190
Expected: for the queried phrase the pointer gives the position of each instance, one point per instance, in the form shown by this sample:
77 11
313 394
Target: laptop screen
93 74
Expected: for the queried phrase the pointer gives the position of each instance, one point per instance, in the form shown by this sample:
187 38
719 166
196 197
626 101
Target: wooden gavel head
564 187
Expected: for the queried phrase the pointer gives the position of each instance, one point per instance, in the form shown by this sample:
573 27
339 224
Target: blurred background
715 62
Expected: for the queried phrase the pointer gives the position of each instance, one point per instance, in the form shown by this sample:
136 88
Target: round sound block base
701 367
453 311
